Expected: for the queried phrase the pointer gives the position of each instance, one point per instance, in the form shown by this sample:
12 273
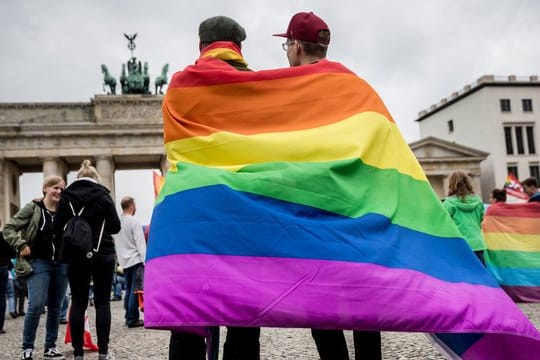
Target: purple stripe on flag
503 347
209 290
523 293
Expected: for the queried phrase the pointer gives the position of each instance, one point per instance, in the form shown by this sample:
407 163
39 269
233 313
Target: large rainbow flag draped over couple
293 200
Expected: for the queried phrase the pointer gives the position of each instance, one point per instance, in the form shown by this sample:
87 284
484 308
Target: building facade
496 115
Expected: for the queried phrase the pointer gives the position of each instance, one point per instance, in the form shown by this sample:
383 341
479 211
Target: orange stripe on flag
511 224
184 116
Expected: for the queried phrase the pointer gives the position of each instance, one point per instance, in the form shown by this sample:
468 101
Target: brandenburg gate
116 132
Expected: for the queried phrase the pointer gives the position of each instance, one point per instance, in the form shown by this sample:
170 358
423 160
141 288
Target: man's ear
298 48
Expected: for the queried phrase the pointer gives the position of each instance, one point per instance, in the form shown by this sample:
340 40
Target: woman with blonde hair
467 211
92 201
30 233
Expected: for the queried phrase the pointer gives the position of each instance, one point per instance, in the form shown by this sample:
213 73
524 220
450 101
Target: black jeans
100 271
331 345
240 344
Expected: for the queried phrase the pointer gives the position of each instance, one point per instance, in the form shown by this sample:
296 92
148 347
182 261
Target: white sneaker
53 353
107 356
27 354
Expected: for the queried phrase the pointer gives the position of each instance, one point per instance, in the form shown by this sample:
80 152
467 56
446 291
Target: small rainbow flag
512 236
158 181
514 190
293 200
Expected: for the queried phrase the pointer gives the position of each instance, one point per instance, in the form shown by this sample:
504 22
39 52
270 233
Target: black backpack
77 239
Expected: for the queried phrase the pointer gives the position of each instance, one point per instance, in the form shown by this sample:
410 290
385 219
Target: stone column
476 184
9 190
445 182
4 193
105 169
55 166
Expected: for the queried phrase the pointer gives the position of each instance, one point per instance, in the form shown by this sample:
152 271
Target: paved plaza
294 344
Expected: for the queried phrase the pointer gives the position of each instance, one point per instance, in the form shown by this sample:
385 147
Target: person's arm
138 237
63 214
112 221
19 221
481 211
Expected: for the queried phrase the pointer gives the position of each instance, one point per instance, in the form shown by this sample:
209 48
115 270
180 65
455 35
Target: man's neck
306 60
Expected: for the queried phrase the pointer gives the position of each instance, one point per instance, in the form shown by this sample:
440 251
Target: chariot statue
135 77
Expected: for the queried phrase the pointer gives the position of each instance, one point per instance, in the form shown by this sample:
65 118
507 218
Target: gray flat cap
221 28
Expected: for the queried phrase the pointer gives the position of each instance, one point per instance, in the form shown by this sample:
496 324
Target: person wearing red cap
307 40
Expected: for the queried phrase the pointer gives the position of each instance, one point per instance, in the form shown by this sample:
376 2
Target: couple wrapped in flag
292 200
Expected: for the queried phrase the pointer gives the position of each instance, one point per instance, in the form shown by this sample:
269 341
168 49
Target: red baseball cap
305 26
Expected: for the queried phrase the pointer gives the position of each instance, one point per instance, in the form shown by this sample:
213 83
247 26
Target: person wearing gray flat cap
220 37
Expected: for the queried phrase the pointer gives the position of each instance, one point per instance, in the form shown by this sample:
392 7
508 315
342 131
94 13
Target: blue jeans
65 305
10 293
118 285
46 286
131 304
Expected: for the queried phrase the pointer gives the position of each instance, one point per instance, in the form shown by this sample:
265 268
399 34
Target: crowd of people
467 209
35 265
41 272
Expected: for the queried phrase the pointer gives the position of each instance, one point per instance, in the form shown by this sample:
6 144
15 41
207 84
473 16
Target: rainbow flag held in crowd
512 235
514 190
292 200
157 180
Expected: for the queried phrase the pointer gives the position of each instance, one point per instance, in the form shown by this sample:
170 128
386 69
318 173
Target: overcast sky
412 52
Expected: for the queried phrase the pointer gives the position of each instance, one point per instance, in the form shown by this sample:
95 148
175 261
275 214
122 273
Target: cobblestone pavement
276 344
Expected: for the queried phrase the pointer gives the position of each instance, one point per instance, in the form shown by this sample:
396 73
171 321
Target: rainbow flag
293 200
158 181
512 236
514 190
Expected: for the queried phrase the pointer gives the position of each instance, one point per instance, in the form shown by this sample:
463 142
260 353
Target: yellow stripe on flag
368 136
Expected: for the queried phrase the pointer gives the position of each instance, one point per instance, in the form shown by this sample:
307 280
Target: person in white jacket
130 247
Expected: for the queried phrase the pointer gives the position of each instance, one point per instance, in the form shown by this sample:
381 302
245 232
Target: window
512 169
515 136
505 105
450 126
530 139
508 140
527 105
519 139
534 171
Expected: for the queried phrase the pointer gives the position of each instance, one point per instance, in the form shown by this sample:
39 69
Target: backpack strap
73 210
100 236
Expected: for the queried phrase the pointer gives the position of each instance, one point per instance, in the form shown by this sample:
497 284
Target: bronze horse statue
108 80
161 79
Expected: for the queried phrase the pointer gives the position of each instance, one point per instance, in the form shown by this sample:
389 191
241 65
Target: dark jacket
98 206
535 197
6 253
